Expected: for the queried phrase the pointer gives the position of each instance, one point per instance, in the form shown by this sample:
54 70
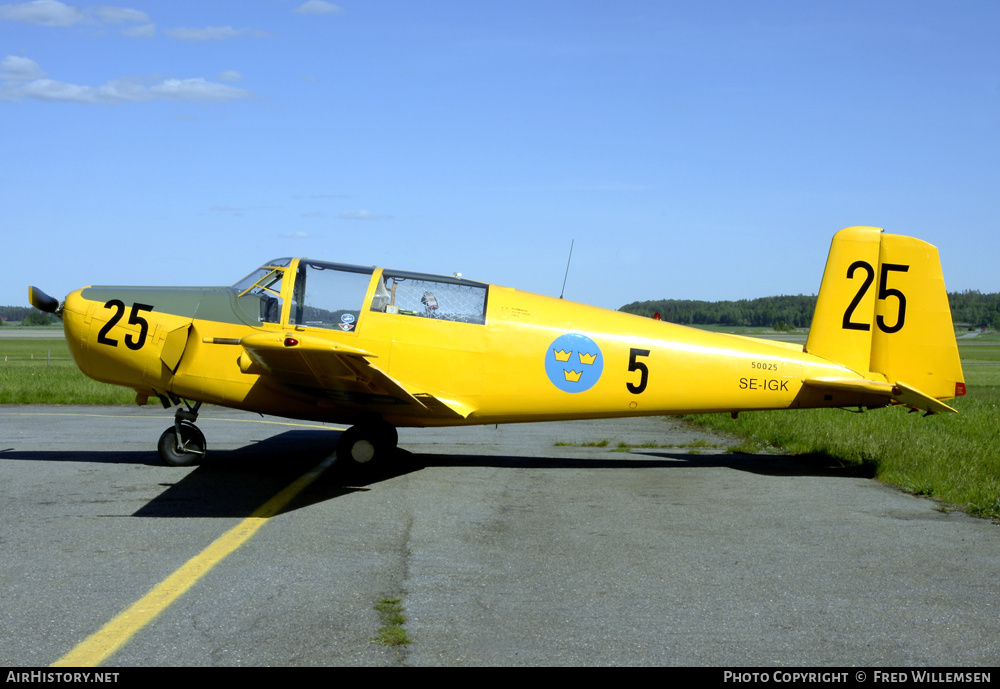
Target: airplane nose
74 314
75 303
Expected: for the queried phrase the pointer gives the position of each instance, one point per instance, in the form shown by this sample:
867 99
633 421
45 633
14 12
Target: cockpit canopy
332 295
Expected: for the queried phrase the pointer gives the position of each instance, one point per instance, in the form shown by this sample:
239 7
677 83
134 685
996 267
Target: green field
954 458
41 371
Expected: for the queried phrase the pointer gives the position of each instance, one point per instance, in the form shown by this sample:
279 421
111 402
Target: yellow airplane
381 349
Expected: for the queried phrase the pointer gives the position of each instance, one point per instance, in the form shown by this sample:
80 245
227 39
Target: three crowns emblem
585 358
573 362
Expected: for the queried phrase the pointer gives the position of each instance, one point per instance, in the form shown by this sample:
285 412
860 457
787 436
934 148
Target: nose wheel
183 444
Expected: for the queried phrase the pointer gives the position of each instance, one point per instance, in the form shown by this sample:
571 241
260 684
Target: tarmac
513 545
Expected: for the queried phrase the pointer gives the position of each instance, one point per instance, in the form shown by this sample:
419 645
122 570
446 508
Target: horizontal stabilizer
899 392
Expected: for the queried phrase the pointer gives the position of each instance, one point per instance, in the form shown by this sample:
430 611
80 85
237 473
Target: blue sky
693 150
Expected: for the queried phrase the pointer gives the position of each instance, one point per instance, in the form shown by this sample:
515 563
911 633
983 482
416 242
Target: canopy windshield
259 293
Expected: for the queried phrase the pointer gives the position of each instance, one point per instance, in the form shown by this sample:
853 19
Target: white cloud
196 89
14 68
211 33
141 31
362 215
43 12
22 78
54 13
230 75
317 7
120 15
49 89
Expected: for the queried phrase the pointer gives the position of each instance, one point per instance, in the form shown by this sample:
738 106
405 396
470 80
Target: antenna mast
567 268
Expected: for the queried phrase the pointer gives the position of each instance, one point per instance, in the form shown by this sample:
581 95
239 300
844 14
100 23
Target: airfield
532 544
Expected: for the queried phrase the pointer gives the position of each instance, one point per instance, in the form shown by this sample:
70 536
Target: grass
43 372
954 458
393 631
591 443
31 349
622 446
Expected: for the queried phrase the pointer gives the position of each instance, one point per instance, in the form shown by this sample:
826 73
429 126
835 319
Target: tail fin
883 312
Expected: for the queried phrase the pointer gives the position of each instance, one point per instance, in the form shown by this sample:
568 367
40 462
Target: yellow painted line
276 423
96 648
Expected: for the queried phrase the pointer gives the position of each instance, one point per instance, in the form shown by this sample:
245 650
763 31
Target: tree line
971 307
25 315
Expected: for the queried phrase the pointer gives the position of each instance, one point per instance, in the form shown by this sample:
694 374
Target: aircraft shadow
239 482
234 483
816 464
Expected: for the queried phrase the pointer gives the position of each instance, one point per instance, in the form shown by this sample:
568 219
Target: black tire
193 440
356 447
366 445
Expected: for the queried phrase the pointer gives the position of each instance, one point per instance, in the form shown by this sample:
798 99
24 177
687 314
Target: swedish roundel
574 362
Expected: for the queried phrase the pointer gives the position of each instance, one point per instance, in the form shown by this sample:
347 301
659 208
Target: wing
341 374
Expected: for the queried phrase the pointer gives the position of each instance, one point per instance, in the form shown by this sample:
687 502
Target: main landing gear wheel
365 445
183 444
184 451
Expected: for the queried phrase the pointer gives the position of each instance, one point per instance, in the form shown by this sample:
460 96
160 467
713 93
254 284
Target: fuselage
472 352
